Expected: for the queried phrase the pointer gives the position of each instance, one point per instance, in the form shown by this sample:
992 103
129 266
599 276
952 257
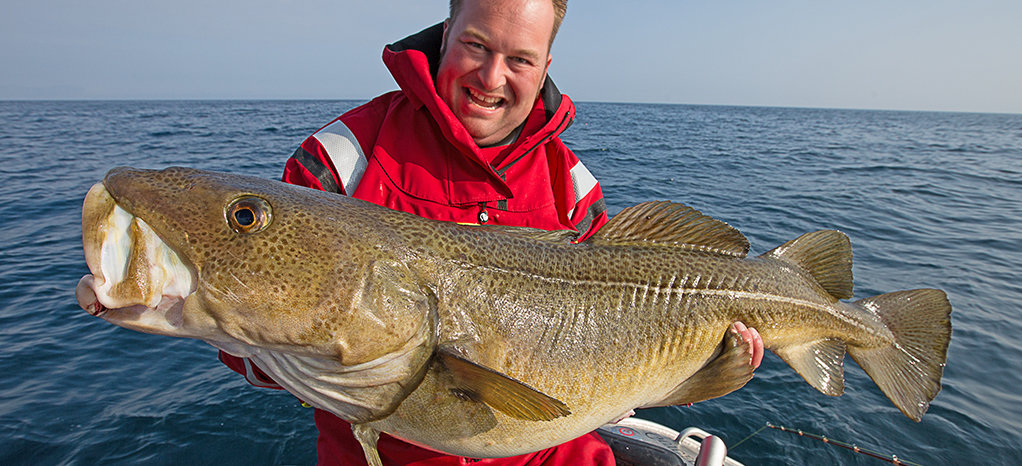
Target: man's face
495 58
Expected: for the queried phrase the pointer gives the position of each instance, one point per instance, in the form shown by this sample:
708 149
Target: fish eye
248 214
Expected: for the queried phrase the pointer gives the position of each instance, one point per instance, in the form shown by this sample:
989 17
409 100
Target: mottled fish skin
496 341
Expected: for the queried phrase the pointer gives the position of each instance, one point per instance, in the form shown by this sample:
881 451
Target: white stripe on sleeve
345 153
583 182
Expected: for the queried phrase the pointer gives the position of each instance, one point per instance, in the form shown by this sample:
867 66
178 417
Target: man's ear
443 39
549 59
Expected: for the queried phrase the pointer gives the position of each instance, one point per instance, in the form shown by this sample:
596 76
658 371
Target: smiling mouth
480 100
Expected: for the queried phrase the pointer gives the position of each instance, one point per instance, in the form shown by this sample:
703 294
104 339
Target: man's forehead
524 26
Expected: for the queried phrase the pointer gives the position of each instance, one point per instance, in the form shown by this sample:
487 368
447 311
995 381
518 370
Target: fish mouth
137 280
85 293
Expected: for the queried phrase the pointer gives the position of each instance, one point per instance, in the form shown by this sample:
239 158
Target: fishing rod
893 459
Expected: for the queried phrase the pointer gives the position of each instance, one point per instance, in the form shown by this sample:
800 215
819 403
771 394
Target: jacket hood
413 62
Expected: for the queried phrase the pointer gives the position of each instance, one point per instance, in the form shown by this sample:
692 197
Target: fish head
253 267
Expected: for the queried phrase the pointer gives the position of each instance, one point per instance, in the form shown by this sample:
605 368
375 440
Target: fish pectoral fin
820 362
729 371
367 437
499 391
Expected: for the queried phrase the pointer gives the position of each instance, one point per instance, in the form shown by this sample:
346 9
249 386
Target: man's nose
492 73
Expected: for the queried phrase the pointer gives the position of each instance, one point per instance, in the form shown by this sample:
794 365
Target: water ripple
929 199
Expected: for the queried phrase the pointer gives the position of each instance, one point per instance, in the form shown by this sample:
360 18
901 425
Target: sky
894 54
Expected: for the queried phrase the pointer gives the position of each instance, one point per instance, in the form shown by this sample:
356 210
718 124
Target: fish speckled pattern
488 341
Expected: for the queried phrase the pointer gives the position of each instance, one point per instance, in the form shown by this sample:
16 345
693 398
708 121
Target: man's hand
748 335
751 336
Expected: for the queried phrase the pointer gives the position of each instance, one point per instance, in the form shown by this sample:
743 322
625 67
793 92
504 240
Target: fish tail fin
908 370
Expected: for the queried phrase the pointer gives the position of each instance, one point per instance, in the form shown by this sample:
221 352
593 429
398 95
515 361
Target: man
471 137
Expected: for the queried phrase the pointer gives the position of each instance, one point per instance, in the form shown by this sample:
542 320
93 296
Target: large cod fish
487 341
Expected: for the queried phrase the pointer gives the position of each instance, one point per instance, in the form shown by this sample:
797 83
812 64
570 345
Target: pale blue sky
893 54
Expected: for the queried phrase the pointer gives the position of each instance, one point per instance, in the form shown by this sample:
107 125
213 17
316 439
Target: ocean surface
928 199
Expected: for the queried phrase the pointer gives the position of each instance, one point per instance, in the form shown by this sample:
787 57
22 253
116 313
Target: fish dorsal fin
824 254
551 236
499 391
668 223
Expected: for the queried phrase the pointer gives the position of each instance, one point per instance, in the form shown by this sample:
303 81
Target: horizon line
303 99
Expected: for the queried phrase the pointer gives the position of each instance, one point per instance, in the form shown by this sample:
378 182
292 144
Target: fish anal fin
668 223
730 370
820 362
826 255
499 391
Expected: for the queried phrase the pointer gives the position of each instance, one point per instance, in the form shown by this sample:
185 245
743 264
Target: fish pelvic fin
367 437
499 391
820 362
909 370
671 224
826 255
730 370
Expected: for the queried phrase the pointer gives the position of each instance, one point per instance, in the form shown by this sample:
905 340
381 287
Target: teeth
484 101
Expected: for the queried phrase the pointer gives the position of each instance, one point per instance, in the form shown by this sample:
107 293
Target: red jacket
407 151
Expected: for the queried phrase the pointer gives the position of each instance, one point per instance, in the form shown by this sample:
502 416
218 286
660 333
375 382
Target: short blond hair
560 8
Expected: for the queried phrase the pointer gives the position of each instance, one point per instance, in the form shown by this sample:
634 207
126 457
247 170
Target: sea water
928 199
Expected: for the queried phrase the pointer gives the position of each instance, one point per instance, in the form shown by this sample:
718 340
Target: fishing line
732 447
893 459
